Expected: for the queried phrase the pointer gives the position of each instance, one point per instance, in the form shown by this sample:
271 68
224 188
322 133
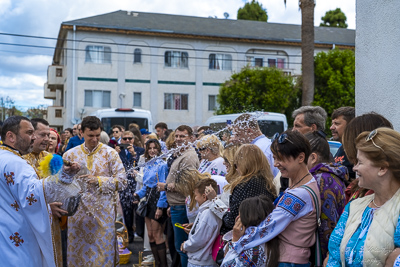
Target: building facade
168 64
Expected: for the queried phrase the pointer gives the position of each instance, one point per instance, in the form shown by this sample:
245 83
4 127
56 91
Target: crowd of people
226 198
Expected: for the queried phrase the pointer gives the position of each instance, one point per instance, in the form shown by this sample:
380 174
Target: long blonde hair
251 162
229 156
186 181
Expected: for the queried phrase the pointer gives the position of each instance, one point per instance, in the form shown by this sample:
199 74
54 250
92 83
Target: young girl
252 212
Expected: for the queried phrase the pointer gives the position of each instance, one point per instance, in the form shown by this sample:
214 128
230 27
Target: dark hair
151 141
166 134
319 145
185 127
69 130
297 144
365 122
138 139
91 122
204 128
255 210
162 125
35 122
117 126
203 183
348 113
12 124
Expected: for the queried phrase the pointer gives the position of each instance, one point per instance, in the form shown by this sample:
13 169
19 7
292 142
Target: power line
130 45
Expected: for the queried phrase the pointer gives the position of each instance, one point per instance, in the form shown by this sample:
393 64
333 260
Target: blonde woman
254 178
209 147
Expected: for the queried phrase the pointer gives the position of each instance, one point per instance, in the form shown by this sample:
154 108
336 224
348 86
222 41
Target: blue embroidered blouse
355 247
150 180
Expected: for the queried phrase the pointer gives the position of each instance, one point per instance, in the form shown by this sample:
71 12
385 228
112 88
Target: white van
269 122
124 116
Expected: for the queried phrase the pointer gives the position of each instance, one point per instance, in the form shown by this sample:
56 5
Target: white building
168 64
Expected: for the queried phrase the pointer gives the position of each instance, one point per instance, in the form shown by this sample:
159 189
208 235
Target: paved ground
135 247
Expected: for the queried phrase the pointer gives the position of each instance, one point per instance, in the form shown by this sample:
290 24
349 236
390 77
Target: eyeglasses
281 138
371 136
127 138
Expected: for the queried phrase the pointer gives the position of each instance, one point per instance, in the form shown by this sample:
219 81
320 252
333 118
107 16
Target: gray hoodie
202 236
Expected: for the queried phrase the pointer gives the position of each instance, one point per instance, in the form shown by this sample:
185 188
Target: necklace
299 181
373 202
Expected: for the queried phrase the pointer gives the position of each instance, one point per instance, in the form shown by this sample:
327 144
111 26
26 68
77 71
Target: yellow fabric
34 160
92 237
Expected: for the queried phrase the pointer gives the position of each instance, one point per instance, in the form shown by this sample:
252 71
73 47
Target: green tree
334 18
254 89
252 11
334 80
37 112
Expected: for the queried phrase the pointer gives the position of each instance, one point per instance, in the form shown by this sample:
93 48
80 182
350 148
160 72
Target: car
334 146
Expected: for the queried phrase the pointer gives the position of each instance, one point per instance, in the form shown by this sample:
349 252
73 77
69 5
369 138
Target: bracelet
166 187
397 261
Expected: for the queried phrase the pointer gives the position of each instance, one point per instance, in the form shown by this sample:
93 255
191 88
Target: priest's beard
24 146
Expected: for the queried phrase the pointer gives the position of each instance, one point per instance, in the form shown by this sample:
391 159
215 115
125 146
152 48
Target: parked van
124 116
269 122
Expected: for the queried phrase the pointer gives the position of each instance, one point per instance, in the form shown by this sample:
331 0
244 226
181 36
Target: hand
135 201
210 193
90 179
169 212
56 210
72 169
158 214
182 247
392 257
118 149
171 187
238 229
131 150
326 260
188 227
160 186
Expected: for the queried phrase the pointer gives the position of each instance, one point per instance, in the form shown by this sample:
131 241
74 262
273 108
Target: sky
23 69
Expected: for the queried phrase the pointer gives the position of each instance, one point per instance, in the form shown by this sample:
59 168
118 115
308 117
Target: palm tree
307 50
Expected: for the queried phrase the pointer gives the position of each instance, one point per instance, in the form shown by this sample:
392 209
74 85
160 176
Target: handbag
218 250
142 207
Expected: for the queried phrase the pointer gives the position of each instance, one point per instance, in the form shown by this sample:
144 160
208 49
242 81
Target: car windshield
109 122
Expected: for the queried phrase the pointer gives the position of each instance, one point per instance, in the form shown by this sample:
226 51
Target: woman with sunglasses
154 171
369 229
210 148
294 220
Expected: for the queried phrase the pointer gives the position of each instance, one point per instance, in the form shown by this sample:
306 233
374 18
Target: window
137 56
58 72
98 54
97 98
176 59
58 113
276 62
176 101
255 61
220 62
212 103
137 99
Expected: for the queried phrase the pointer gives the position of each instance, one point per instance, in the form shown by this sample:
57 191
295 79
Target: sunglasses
127 138
202 149
281 138
371 136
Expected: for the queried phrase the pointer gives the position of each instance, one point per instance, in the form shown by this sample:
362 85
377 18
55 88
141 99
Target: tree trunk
307 50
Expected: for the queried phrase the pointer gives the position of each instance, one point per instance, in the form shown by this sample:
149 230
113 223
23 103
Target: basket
124 258
122 232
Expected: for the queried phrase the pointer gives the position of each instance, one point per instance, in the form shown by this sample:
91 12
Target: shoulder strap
318 252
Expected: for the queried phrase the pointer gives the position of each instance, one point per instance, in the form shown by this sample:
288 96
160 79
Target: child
252 212
205 229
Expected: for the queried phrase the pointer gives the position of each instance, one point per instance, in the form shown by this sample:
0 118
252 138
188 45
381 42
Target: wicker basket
124 258
123 233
